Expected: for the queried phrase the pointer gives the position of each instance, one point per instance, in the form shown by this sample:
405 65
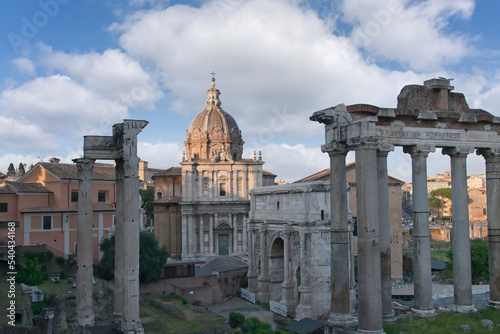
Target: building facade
43 204
201 208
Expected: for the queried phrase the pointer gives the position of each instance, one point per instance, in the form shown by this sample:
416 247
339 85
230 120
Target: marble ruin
427 117
121 147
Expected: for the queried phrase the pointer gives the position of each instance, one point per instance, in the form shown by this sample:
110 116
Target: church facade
201 208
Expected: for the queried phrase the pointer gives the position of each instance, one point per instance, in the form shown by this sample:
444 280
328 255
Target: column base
117 318
494 303
138 329
424 313
390 317
85 322
303 311
381 331
342 320
463 308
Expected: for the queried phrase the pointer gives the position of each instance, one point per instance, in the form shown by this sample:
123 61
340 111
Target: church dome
214 134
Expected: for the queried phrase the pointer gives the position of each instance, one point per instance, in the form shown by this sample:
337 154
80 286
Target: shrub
50 255
60 261
31 274
236 319
62 274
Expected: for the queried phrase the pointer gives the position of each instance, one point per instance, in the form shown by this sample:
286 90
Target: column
119 230
369 280
287 285
462 280
128 245
264 279
184 235
423 305
234 219
85 273
385 231
202 235
304 309
340 314
211 235
252 257
245 233
492 158
191 235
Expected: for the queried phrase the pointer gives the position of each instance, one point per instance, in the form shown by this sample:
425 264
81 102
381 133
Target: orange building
43 204
477 205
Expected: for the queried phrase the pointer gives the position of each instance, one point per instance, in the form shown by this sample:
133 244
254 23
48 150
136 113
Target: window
47 222
101 196
196 155
222 189
74 196
3 207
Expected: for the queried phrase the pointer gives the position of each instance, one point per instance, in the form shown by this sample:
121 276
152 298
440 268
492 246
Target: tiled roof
324 175
69 171
49 209
18 187
172 171
266 173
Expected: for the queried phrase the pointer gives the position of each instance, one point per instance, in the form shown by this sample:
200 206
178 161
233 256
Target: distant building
477 204
43 205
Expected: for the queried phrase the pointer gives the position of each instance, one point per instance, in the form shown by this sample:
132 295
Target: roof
266 173
63 171
220 264
305 326
172 171
324 175
22 188
99 206
438 265
168 199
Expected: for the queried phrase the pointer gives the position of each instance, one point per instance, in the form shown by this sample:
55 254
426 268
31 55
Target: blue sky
69 68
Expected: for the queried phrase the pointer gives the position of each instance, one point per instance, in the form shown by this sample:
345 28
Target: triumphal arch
427 117
122 148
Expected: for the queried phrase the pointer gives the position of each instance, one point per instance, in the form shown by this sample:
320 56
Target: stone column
202 235
234 219
264 279
287 284
340 314
211 235
184 228
252 270
128 245
119 230
385 231
492 158
423 305
462 280
245 234
304 309
191 235
85 273
369 281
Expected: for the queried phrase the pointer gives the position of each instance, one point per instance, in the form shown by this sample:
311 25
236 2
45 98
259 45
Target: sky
70 68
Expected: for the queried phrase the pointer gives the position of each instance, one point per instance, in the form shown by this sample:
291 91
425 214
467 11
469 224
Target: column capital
335 148
458 151
384 149
85 168
419 149
489 154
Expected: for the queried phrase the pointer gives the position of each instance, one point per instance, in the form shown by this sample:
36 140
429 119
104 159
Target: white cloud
25 66
112 73
19 134
410 32
160 155
268 55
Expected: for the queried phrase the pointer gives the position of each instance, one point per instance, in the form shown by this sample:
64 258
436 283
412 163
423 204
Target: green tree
147 196
21 170
152 258
11 169
31 274
479 259
442 192
435 203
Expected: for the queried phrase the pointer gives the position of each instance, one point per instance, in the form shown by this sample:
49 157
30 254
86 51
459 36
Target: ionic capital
334 149
489 154
84 167
458 151
419 150
384 149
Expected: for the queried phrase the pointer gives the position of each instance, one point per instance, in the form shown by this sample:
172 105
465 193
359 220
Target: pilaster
263 279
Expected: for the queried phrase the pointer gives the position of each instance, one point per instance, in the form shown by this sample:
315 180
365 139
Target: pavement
244 307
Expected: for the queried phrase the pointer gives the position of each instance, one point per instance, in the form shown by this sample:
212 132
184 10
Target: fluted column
202 235
423 305
492 158
211 235
184 224
304 309
340 314
191 235
385 231
128 245
119 230
245 234
264 279
369 281
252 270
234 219
85 273
462 280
